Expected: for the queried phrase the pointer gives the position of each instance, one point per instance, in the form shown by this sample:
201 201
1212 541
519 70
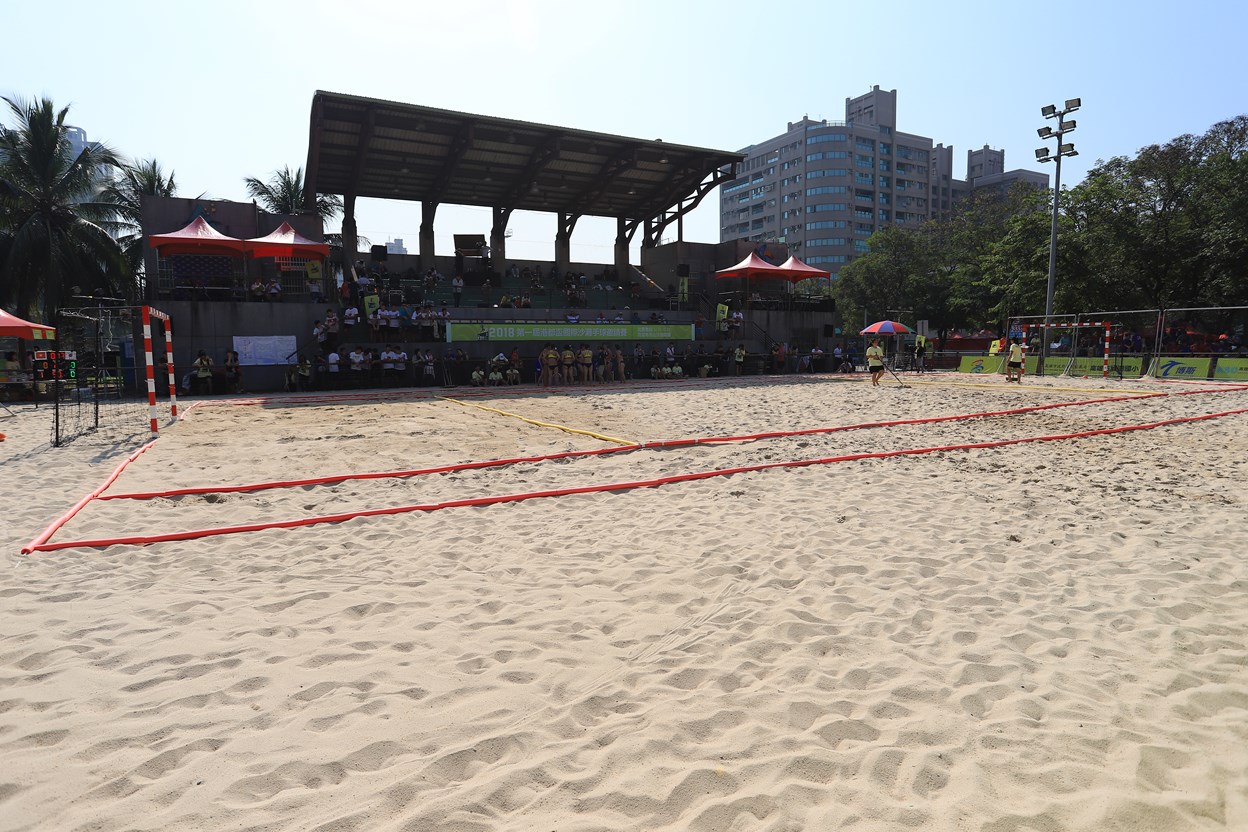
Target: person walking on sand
1014 363
875 361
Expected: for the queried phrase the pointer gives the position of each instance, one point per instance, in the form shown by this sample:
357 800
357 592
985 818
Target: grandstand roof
384 149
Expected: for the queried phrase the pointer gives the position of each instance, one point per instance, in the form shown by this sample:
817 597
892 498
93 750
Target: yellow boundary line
1034 388
564 428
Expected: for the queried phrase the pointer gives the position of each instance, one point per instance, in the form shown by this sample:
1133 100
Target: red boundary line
52 529
662 444
620 486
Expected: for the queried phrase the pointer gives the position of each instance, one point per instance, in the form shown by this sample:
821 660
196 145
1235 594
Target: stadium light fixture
1045 155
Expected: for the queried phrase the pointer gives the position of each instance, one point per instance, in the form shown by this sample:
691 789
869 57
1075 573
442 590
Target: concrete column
563 246
498 239
349 237
621 251
428 210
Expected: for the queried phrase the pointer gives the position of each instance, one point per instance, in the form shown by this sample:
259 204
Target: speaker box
682 270
378 253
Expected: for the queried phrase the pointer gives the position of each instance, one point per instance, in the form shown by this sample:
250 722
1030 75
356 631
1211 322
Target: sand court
1045 635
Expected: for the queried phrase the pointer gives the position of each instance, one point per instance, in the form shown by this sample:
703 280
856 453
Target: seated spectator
572 318
478 377
496 377
619 317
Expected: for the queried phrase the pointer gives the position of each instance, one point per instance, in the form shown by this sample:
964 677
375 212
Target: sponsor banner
1231 369
1131 367
567 333
1167 366
981 364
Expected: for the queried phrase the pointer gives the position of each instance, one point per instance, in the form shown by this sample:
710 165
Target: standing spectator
738 358
487 291
273 292
920 354
257 289
331 366
457 288
203 373
374 324
233 373
303 375
331 327
314 287
344 291
318 334
350 316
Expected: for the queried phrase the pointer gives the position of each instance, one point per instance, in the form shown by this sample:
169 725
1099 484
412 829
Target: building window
884 165
826 137
815 226
886 149
883 215
885 182
814 157
861 247
826 189
827 241
827 206
864 161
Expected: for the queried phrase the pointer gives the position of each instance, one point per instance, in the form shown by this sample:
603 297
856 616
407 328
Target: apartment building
824 187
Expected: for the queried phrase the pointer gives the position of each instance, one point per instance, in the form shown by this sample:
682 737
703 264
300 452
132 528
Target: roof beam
612 169
544 152
361 150
460 145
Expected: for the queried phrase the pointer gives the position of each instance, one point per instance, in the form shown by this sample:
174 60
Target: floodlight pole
1043 155
1048 296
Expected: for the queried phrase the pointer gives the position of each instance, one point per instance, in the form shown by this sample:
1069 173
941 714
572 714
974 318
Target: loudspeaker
378 253
682 270
829 331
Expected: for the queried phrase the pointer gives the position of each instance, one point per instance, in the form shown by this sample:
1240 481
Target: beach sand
1042 636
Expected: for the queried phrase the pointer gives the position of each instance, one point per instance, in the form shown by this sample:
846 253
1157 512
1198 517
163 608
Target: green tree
51 233
283 194
124 196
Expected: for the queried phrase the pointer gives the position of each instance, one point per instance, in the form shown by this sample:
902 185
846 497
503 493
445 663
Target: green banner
1169 366
568 333
371 304
1231 369
982 364
1056 365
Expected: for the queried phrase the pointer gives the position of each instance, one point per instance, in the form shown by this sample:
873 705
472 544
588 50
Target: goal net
111 370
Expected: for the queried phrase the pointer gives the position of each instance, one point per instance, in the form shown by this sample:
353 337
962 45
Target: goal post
148 313
1105 325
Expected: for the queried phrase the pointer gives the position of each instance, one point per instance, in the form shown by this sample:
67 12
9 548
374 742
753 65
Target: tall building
824 187
396 246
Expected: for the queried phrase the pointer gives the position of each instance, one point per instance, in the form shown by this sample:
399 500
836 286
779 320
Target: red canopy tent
285 242
800 271
12 326
753 266
197 238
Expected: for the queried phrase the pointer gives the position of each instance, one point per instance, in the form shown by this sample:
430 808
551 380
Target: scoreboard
51 365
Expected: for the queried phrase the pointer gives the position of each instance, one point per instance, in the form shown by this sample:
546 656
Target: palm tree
124 197
51 235
283 194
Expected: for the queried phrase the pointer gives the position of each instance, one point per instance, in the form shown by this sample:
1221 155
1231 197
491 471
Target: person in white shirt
392 320
350 316
357 360
400 363
331 361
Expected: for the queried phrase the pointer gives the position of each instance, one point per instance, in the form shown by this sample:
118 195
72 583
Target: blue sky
221 91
